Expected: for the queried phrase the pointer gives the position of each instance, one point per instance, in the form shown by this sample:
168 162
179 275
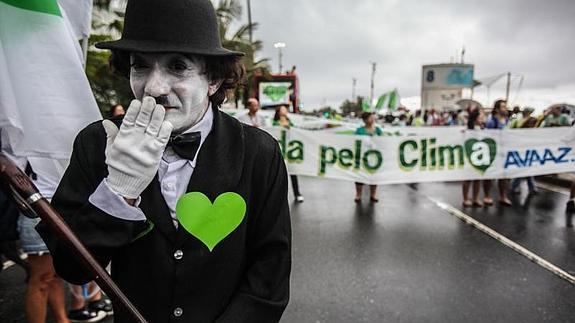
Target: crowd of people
498 117
554 116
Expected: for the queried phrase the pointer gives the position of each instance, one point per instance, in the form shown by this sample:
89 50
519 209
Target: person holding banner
281 119
526 121
475 121
188 204
497 120
556 118
368 129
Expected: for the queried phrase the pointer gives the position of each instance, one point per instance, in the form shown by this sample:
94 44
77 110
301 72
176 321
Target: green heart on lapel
481 153
210 223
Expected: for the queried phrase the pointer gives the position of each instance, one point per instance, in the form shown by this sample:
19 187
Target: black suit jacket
244 279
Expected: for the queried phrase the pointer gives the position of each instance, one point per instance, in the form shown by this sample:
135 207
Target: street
406 259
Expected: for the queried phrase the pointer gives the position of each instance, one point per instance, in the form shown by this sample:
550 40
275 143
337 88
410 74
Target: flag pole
85 50
31 202
373 65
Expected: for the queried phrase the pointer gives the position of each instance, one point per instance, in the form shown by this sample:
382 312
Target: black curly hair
230 69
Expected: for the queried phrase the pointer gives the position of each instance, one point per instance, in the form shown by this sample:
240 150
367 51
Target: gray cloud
331 42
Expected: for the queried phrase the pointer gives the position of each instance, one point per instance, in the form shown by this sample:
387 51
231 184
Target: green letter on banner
325 159
378 160
402 162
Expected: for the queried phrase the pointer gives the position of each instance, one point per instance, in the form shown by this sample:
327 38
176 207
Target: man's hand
133 152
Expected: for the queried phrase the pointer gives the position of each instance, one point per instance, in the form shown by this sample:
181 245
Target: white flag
79 14
45 97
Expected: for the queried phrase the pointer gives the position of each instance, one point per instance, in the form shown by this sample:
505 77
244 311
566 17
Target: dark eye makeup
138 63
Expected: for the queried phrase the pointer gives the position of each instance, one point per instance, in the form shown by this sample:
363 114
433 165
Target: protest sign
427 154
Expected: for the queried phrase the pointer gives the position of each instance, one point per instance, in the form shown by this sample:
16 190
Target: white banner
408 155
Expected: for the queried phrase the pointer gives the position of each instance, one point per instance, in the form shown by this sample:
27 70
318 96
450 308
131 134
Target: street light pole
507 87
280 46
373 65
250 20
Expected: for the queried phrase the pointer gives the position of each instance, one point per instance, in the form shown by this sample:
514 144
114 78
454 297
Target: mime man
188 205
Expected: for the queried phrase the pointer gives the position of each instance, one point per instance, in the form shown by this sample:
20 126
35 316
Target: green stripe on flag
380 102
44 6
365 106
393 100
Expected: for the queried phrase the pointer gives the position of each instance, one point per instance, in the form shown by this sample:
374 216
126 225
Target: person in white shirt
252 117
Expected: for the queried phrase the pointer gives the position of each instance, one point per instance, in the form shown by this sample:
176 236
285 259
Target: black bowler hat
182 26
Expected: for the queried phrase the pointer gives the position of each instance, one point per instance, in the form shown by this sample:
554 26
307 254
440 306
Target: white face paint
179 79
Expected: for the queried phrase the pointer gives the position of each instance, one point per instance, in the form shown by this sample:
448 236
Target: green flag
45 97
380 102
392 105
389 100
365 106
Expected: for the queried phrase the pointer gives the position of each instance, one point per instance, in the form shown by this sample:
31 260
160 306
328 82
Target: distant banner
414 155
274 93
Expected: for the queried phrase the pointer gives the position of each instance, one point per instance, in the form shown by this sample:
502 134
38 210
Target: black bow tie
186 145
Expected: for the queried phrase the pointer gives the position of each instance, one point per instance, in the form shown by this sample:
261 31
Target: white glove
134 152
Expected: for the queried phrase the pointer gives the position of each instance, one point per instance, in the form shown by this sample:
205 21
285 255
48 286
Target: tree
348 107
108 88
227 12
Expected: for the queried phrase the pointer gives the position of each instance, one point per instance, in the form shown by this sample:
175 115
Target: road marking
505 241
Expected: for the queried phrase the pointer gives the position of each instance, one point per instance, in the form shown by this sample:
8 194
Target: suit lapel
220 161
156 210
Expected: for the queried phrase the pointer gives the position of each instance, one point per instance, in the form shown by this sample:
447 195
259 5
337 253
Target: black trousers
295 185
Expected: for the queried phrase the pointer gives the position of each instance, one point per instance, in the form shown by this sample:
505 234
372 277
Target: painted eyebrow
183 58
180 57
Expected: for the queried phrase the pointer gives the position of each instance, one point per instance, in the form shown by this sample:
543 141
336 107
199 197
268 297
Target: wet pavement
405 259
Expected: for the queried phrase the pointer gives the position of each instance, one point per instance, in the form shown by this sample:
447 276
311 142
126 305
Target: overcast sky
333 41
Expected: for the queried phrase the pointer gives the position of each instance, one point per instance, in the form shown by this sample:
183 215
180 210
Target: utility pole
373 65
280 59
508 86
463 55
85 50
280 46
353 84
250 20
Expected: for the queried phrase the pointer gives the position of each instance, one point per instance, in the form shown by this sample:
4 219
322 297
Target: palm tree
227 12
107 24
